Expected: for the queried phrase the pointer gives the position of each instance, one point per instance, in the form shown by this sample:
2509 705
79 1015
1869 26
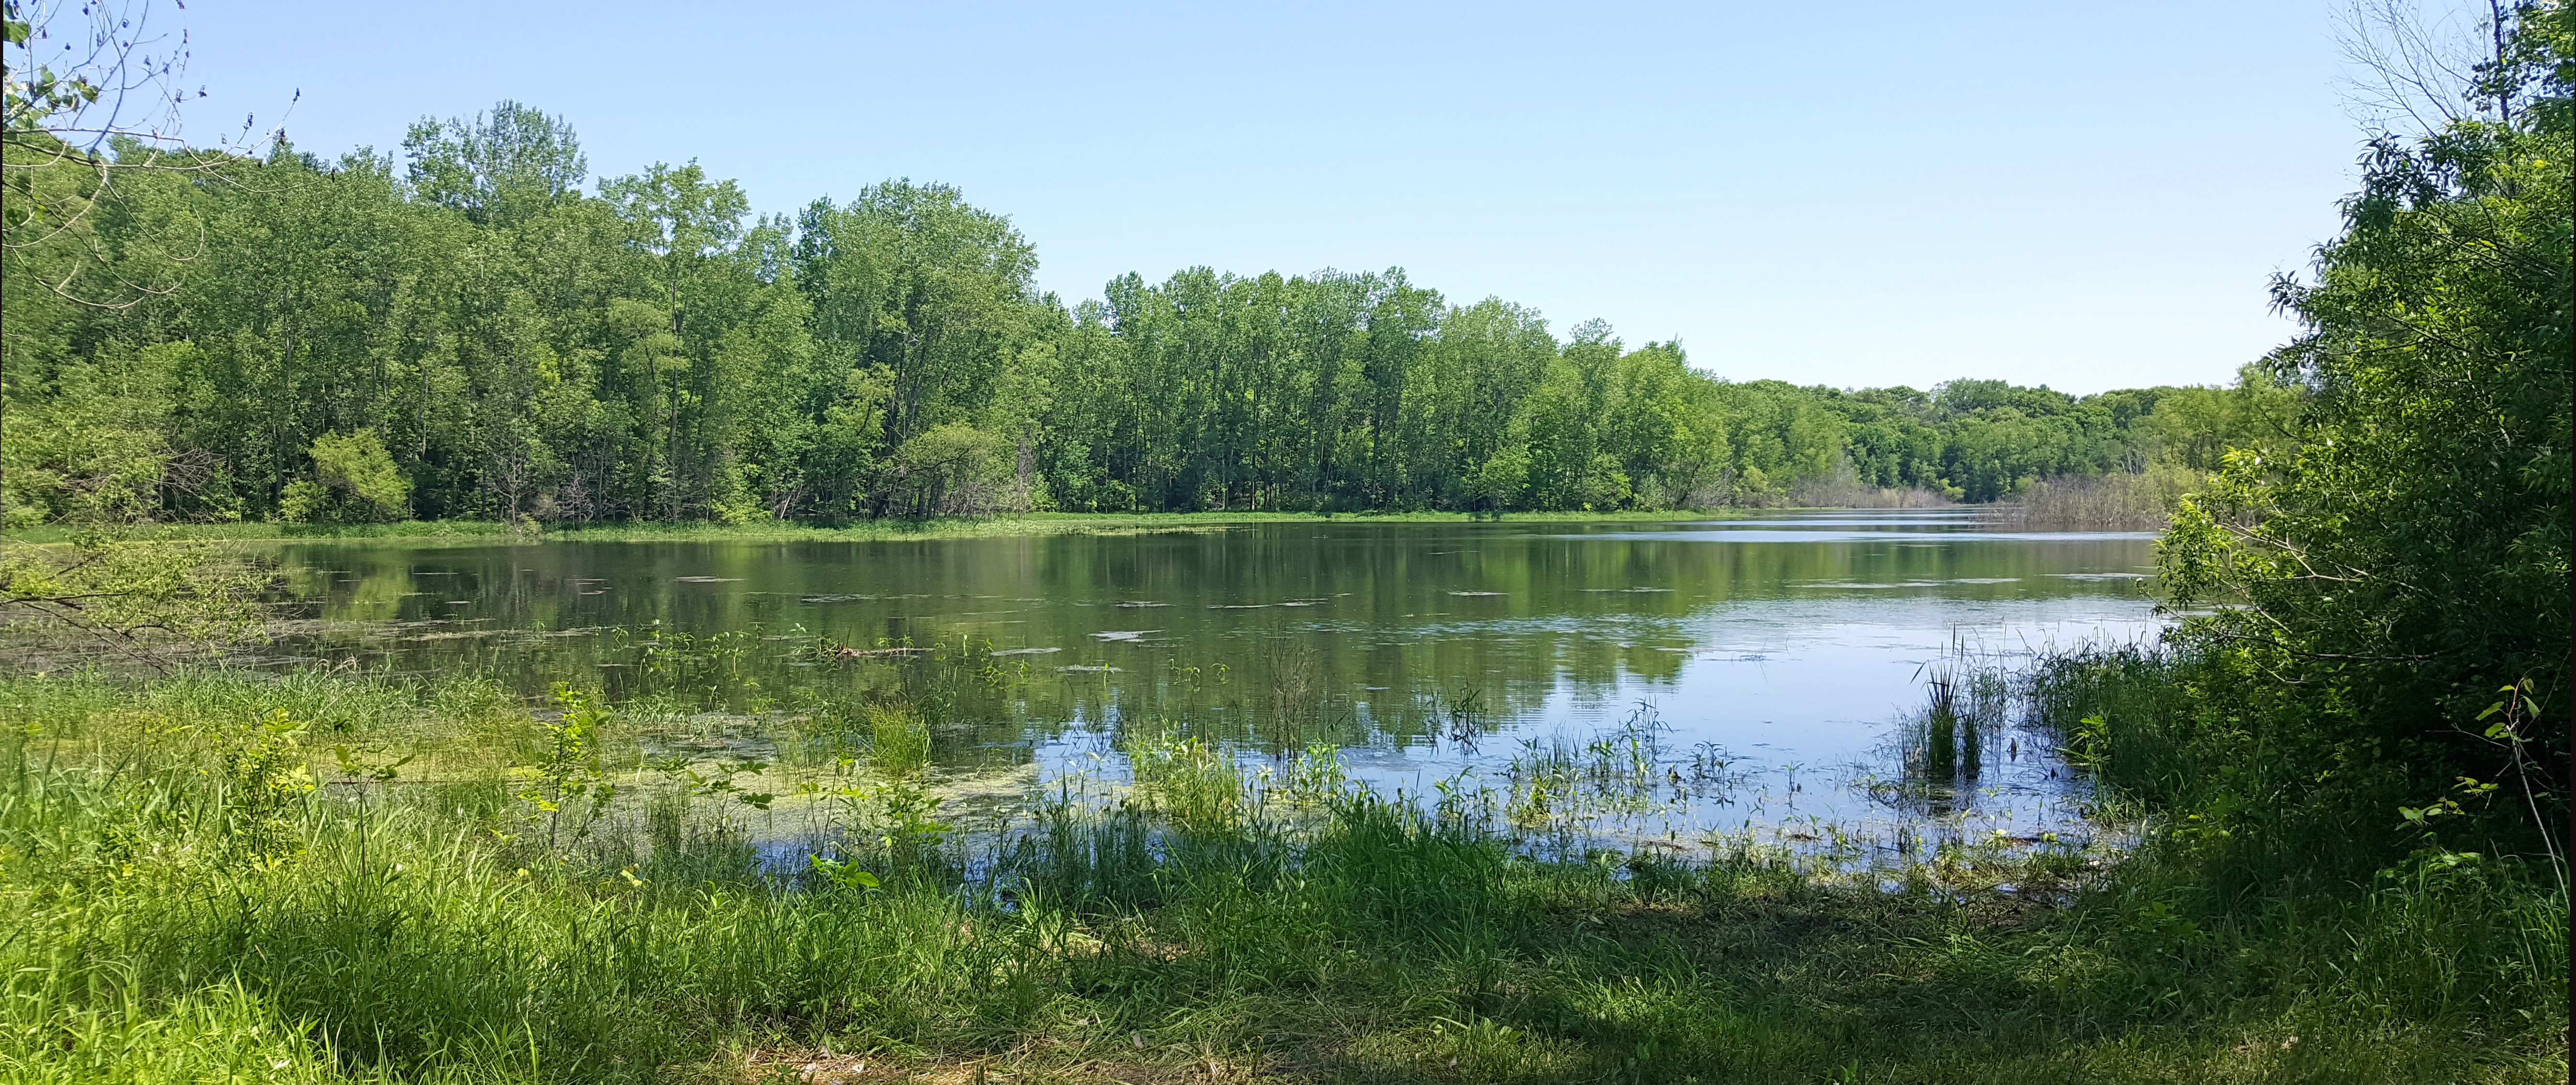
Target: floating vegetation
869 653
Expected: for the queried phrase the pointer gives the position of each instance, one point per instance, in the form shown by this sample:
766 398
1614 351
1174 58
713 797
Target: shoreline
995 526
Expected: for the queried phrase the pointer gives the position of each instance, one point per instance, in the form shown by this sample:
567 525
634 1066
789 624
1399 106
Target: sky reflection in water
1790 647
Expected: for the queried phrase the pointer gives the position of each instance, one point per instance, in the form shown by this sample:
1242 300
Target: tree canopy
501 342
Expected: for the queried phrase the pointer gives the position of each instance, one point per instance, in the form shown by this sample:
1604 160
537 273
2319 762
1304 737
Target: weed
265 782
570 783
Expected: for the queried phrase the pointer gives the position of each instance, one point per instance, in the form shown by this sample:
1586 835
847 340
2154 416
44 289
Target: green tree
2409 555
2197 427
688 226
499 168
92 444
930 295
352 475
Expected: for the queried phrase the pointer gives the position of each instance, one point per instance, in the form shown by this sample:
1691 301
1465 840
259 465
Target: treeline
462 331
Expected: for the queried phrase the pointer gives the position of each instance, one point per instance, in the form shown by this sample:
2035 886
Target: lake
1763 676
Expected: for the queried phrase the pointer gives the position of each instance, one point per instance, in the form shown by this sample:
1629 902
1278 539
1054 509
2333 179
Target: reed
2118 501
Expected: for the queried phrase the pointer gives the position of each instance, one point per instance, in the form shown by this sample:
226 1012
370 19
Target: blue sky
2089 196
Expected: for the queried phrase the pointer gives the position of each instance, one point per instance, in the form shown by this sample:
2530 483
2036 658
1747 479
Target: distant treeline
462 331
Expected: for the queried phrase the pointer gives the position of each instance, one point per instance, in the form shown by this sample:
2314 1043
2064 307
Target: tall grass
1844 489
1218 926
2267 879
2118 501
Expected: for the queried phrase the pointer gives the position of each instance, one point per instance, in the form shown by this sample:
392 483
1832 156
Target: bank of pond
1891 796
220 875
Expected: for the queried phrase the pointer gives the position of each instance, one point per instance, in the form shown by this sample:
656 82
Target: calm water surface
1766 667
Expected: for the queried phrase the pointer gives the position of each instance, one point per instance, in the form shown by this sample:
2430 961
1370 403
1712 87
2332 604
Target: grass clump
899 742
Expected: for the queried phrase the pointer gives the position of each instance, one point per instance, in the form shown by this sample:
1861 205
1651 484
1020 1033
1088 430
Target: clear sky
2088 196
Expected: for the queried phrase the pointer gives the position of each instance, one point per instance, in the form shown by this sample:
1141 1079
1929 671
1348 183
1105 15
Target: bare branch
2408 66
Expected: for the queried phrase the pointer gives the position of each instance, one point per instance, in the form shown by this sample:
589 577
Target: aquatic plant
1359 934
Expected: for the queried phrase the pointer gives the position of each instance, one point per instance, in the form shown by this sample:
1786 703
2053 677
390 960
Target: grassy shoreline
474 532
219 876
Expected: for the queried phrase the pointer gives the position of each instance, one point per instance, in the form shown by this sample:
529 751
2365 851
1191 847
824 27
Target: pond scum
220 876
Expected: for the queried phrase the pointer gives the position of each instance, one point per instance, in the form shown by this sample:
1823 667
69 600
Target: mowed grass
206 879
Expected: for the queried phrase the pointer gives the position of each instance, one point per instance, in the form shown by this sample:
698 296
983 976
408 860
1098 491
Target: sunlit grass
1246 925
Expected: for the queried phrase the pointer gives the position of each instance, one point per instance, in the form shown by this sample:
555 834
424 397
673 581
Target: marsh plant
266 778
1558 783
1314 777
898 739
569 788
1198 786
1212 918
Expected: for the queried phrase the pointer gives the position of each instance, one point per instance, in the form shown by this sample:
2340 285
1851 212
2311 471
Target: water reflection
1747 675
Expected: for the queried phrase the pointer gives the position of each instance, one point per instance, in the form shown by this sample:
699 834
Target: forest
462 330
